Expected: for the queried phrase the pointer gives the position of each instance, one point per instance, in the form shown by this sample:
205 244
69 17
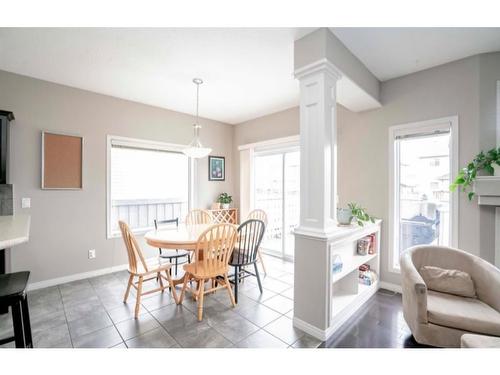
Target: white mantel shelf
487 189
14 230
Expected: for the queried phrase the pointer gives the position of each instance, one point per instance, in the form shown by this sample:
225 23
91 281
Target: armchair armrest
414 291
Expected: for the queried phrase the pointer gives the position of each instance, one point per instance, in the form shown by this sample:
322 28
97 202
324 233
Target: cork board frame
62 161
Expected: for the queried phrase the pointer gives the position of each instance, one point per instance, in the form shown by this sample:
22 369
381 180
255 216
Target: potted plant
354 211
225 200
488 162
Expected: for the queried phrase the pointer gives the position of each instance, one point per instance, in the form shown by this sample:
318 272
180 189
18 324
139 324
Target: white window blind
146 183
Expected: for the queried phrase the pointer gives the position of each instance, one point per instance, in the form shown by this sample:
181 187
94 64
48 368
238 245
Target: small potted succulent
225 200
354 211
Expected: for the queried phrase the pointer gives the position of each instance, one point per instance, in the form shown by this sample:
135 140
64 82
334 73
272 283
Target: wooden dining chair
199 216
212 254
259 214
139 268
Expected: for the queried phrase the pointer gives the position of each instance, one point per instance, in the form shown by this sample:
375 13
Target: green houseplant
225 200
360 214
484 161
354 211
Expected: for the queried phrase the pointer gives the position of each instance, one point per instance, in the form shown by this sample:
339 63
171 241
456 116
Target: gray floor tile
261 339
124 311
288 293
283 329
307 341
157 301
200 335
279 303
255 294
93 322
119 346
259 315
74 286
55 337
157 338
83 308
135 327
104 338
44 322
79 297
172 315
233 327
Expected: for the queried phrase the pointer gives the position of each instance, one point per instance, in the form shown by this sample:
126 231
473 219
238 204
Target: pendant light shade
195 149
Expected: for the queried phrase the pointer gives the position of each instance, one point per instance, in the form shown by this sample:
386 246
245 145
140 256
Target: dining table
184 236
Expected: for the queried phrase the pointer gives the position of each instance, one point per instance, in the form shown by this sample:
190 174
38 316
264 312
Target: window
423 162
146 181
277 191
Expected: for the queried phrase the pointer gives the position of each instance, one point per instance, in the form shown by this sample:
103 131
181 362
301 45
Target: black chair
245 253
13 294
175 254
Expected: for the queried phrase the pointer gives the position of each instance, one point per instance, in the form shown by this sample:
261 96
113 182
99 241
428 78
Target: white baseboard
339 320
319 333
78 276
389 286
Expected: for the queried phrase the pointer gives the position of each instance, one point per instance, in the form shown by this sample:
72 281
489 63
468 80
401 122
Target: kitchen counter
14 230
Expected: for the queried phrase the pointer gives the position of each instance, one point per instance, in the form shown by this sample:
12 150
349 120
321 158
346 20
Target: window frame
142 144
415 128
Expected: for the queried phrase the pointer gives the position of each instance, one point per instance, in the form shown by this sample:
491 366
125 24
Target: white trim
408 128
75 277
320 65
270 142
390 286
338 321
145 144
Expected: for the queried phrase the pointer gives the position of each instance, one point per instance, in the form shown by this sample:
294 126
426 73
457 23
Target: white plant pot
344 216
225 206
496 170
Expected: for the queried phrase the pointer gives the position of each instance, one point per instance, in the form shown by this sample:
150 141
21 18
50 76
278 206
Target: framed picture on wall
62 161
216 168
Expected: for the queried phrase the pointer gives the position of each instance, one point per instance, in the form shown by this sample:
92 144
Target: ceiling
395 52
248 73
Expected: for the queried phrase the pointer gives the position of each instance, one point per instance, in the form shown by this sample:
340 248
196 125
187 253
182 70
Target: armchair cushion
468 314
448 281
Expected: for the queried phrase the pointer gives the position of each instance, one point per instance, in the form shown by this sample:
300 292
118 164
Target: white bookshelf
347 294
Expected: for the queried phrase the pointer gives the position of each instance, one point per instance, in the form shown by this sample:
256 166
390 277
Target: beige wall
447 90
66 224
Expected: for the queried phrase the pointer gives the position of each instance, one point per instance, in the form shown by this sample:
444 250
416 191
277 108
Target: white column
318 148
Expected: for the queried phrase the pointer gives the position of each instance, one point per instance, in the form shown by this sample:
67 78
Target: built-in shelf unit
347 293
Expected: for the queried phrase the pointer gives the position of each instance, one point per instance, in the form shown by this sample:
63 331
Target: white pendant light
195 149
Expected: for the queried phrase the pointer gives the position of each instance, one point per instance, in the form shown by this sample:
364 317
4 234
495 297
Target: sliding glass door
276 191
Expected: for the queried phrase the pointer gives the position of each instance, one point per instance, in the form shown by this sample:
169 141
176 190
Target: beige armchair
440 319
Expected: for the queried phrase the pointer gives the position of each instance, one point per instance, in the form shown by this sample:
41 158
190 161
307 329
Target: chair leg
130 281
26 323
158 277
236 282
261 260
184 287
201 293
172 287
258 277
229 290
17 321
176 264
138 298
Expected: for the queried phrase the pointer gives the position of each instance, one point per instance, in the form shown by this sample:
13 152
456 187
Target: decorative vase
225 206
344 216
496 170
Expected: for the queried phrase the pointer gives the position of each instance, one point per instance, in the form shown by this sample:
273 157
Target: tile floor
378 324
90 313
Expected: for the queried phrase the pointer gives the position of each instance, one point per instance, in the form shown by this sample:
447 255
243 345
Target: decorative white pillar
318 148
318 193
